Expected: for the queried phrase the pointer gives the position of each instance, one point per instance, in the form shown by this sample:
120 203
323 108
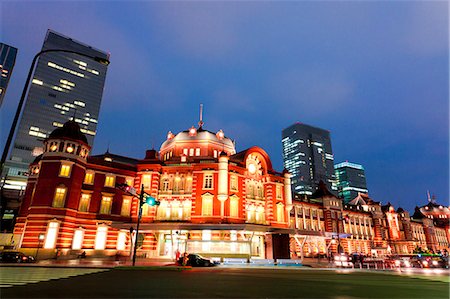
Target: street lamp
22 98
40 238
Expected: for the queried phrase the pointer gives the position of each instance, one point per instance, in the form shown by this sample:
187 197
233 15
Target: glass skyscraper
351 179
64 86
308 156
7 60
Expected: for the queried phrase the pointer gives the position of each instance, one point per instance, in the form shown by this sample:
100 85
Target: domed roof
69 130
196 136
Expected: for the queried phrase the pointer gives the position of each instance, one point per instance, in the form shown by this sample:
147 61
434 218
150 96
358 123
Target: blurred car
196 260
15 257
343 260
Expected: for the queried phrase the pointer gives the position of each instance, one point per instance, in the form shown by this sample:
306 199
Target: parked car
196 260
15 257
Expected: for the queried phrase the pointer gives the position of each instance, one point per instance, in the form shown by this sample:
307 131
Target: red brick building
213 200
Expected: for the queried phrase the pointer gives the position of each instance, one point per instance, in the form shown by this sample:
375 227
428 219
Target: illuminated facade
7 60
64 86
214 201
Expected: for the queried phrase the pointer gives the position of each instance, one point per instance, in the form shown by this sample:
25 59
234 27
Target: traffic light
151 201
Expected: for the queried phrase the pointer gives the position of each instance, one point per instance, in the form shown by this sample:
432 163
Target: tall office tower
308 156
351 179
64 86
7 60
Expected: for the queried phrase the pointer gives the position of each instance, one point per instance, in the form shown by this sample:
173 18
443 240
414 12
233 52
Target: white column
222 193
287 191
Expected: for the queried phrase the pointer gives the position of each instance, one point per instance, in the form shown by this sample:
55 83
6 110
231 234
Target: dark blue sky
376 74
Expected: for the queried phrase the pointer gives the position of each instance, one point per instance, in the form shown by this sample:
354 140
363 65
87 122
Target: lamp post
40 239
141 201
24 91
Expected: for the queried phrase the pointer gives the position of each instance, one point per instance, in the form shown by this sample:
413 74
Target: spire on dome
200 123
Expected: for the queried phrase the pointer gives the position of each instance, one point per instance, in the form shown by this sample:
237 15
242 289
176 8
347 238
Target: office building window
60 197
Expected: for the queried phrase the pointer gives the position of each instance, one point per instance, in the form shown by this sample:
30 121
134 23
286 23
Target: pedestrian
185 259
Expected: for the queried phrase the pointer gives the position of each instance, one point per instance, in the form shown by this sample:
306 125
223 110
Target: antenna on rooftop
428 195
200 123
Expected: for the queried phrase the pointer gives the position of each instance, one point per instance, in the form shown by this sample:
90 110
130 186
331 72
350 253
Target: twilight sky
376 74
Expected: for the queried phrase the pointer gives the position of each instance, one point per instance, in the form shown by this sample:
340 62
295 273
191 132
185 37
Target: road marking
12 276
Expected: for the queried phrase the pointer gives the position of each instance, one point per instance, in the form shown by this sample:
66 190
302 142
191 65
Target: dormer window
220 135
170 135
192 131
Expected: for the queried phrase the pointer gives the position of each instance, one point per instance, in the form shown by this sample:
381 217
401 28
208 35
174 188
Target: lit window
188 185
65 170
279 191
84 202
121 240
251 209
165 185
100 237
280 212
207 205
105 206
77 242
233 183
215 153
208 181
110 180
234 206
59 198
38 82
206 236
146 181
260 215
89 177
191 152
52 234
197 152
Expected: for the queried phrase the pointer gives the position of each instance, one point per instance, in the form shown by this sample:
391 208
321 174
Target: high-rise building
308 156
351 180
64 86
7 60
